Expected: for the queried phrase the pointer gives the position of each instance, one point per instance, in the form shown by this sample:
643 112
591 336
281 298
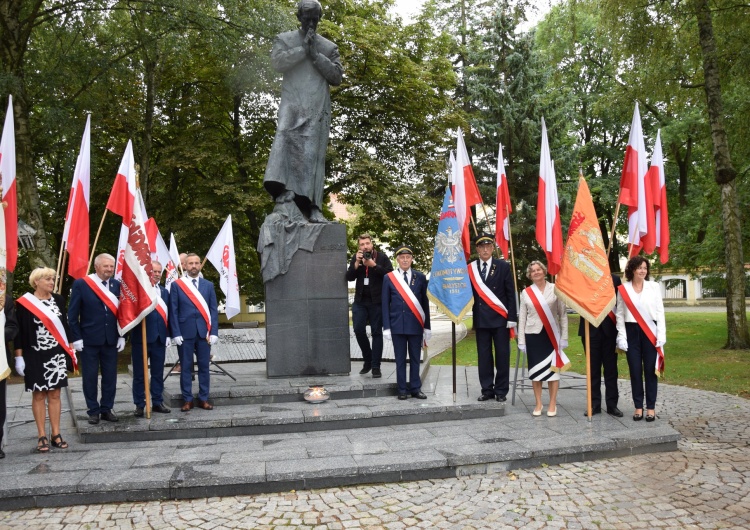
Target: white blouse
651 304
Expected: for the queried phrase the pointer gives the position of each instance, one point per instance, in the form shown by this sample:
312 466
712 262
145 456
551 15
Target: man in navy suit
602 346
406 320
92 315
194 325
495 315
157 340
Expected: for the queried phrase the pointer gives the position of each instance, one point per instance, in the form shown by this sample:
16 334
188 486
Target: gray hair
100 257
535 262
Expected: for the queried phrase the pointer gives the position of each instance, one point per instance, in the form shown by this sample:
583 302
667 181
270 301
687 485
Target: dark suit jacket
500 282
87 317
396 314
184 318
607 328
382 267
156 329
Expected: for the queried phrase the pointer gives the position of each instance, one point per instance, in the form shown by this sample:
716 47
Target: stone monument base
307 311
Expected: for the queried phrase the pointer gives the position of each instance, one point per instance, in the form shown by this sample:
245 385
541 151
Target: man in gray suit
310 64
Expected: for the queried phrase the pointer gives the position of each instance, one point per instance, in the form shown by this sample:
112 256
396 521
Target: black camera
366 256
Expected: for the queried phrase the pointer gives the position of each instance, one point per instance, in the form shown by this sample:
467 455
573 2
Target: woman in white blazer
641 340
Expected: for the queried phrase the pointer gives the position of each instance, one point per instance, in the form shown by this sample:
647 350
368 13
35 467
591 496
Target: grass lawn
694 357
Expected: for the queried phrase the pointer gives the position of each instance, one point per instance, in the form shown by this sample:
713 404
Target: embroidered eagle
448 245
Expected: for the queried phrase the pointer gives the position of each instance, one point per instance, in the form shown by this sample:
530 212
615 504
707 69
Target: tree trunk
14 38
725 175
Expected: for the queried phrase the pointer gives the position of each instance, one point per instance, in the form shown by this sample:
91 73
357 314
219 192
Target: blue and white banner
450 286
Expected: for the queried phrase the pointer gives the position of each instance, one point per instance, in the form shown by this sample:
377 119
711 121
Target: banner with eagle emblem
450 286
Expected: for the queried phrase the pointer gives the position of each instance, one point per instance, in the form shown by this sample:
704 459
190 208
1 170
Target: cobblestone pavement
706 484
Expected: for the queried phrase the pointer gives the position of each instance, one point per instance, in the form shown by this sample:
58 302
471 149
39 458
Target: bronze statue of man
310 63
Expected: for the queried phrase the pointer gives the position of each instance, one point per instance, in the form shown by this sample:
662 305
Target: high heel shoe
651 417
537 412
637 416
552 413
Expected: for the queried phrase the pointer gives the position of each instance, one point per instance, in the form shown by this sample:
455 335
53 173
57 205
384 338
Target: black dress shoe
614 411
109 415
593 412
93 419
500 398
484 397
365 369
402 397
138 412
2 453
376 373
161 407
419 395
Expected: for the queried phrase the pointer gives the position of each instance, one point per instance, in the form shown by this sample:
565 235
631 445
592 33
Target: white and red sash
561 361
105 295
486 294
612 316
646 324
408 296
162 309
51 322
198 301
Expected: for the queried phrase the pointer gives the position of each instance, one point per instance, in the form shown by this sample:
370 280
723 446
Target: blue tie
484 271
406 279
195 283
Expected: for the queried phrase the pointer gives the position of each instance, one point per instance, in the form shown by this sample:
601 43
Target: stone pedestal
307 311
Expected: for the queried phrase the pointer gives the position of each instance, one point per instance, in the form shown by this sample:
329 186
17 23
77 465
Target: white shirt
408 274
651 304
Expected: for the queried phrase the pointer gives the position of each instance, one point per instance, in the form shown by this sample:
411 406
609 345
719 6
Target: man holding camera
368 268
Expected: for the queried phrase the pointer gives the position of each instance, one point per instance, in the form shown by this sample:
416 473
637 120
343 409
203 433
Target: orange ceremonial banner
584 282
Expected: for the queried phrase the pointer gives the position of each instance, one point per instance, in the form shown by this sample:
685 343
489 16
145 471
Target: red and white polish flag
76 231
548 227
659 186
8 172
635 194
171 268
138 297
222 257
465 191
502 206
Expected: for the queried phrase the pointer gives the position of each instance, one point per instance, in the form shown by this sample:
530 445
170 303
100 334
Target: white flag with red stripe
8 173
138 297
121 202
76 230
172 267
502 206
548 227
659 186
634 193
4 368
465 191
221 255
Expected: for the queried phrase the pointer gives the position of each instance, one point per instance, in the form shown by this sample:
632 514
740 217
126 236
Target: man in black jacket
495 316
368 267
602 341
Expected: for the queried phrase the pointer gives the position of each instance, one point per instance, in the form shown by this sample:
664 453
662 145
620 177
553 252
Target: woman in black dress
39 356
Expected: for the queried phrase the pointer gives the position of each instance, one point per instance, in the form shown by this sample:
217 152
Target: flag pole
614 226
145 369
588 371
453 345
60 268
96 240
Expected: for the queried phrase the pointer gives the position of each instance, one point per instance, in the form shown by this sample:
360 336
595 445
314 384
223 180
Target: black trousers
493 376
603 353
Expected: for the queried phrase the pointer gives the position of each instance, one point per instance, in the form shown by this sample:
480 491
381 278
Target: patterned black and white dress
44 357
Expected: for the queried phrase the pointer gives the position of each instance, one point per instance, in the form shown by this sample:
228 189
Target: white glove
522 347
168 343
660 343
177 340
213 339
78 345
510 325
387 334
427 334
20 365
120 344
622 344
563 344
